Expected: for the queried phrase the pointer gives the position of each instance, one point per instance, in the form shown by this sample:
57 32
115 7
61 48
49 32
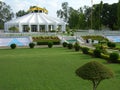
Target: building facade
37 20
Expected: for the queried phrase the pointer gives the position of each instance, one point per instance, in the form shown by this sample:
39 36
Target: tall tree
5 13
73 19
118 15
87 13
21 13
63 13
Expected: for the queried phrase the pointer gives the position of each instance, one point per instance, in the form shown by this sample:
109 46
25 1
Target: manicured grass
48 69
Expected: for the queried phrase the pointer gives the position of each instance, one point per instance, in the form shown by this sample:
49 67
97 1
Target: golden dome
38 9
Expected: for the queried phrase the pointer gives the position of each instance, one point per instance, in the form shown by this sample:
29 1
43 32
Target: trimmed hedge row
43 40
98 52
46 42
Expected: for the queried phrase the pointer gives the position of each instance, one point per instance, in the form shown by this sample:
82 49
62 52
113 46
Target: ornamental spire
38 9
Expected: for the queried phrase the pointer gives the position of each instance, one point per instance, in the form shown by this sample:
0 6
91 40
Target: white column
20 28
55 27
38 29
63 27
46 28
30 28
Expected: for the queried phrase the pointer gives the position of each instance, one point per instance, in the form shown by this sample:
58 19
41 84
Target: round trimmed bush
13 46
31 45
111 44
85 50
77 47
50 44
64 44
97 53
114 57
70 46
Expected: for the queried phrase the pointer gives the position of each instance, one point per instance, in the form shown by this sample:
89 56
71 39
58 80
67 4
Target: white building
37 21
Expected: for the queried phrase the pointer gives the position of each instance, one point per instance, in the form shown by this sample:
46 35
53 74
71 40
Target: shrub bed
85 50
43 40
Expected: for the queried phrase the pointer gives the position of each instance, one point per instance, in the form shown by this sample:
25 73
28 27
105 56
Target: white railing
26 34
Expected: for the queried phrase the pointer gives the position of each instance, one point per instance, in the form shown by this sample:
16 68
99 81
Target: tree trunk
94 88
94 85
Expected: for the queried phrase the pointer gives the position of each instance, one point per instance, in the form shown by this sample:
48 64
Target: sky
51 5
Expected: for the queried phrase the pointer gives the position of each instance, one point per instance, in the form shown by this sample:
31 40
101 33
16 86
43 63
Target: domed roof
36 18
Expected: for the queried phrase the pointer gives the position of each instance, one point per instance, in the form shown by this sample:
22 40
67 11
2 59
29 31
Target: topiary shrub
64 44
90 52
13 46
70 46
105 56
85 50
111 44
50 44
77 46
97 53
114 57
95 72
31 45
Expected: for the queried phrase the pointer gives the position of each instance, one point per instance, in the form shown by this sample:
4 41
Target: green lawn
48 69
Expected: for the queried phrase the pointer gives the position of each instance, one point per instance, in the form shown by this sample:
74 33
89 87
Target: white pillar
20 28
38 29
55 27
51 27
63 27
30 28
46 28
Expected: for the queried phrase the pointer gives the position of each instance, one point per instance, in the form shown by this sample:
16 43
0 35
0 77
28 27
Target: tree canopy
5 13
104 16
95 72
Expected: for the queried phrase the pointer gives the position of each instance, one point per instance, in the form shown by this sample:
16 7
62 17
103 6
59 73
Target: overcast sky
51 5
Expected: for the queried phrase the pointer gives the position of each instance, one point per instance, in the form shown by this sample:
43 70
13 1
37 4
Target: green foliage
111 44
95 37
45 42
13 46
50 44
114 57
77 46
14 29
105 56
70 46
5 12
95 72
46 38
31 45
118 15
85 50
64 44
97 53
103 15
63 13
21 13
